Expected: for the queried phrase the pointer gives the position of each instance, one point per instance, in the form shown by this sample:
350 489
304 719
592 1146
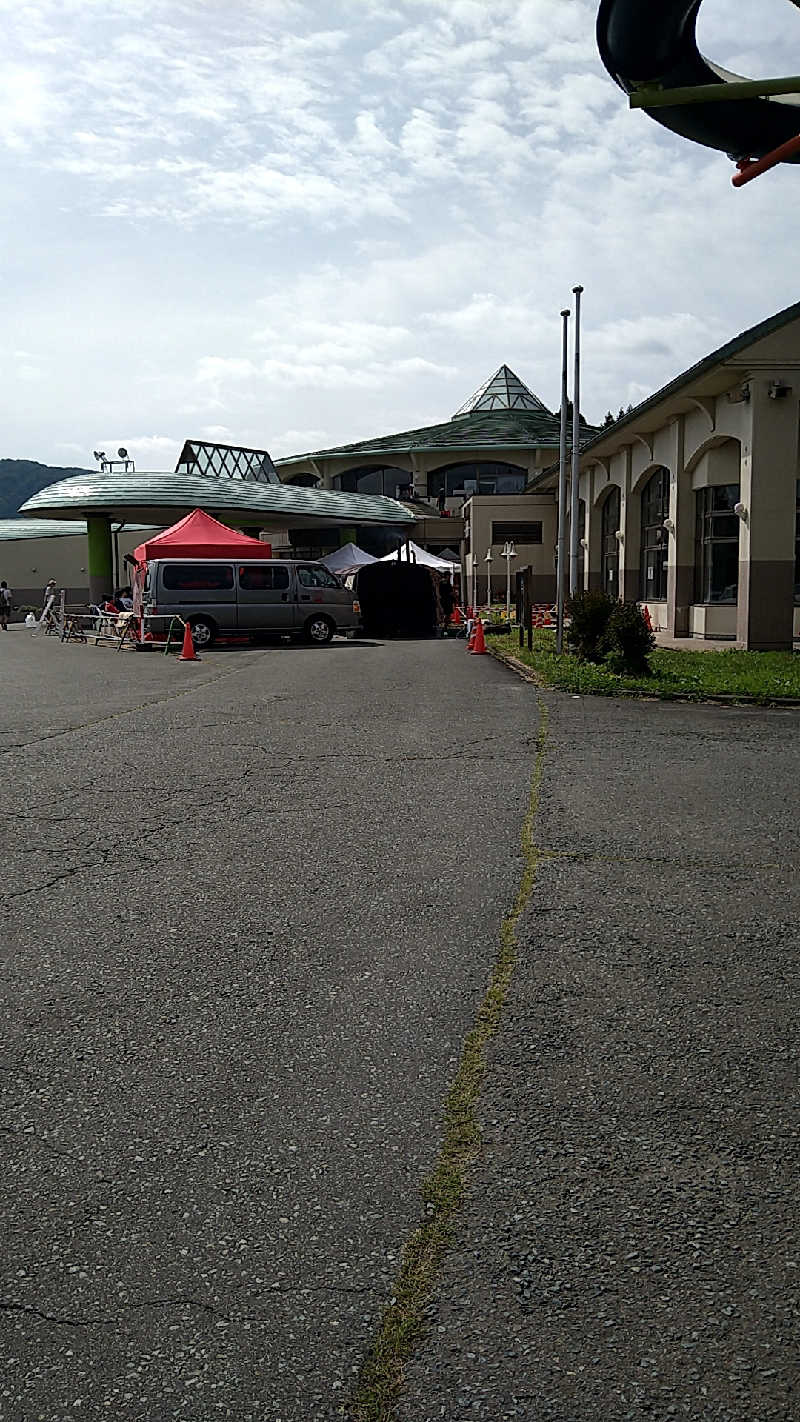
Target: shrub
587 634
629 640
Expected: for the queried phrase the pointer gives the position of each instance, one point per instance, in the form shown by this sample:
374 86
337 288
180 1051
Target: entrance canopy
198 535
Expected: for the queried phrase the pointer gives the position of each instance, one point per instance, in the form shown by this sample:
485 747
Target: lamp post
562 489
574 532
488 562
509 552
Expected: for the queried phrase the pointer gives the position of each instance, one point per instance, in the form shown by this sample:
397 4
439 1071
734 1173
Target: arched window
716 560
304 481
483 476
653 565
610 545
376 479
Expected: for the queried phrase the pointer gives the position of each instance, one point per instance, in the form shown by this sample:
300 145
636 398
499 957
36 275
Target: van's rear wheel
203 631
318 630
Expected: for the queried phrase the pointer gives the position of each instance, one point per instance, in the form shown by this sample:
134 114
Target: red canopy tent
198 535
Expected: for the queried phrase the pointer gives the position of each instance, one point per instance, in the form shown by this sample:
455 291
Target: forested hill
19 478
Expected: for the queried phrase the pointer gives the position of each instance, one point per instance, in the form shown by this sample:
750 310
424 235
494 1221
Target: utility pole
562 489
574 531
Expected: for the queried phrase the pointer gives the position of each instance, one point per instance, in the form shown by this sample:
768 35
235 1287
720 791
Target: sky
291 224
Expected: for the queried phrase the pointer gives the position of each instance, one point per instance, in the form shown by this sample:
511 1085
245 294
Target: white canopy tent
412 553
347 560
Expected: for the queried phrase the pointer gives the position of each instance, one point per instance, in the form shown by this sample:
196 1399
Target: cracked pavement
249 906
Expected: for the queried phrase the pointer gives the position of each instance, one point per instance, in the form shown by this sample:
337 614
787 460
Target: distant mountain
19 478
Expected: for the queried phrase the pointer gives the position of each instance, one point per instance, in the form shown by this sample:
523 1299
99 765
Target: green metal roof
115 492
15 528
484 429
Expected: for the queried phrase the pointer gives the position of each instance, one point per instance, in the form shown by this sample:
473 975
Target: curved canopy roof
15 528
148 497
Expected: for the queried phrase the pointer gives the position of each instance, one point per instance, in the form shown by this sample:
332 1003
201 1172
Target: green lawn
760 676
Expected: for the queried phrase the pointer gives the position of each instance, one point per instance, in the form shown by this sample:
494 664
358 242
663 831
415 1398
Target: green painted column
101 558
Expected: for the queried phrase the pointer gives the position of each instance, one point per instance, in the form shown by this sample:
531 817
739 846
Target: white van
271 595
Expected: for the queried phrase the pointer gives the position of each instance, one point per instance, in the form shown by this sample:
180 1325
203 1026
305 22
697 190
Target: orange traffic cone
479 641
188 653
647 618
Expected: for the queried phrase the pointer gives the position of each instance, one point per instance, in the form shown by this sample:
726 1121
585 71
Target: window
486 476
609 544
717 544
198 577
516 532
258 579
317 578
382 479
655 508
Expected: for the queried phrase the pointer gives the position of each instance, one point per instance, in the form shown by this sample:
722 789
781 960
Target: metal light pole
562 489
509 552
576 451
488 562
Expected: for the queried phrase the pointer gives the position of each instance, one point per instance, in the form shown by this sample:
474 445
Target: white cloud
328 220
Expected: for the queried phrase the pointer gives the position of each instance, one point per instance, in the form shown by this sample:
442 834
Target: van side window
263 579
317 578
197 577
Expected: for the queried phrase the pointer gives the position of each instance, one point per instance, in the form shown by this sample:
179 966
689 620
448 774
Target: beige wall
481 512
725 436
28 563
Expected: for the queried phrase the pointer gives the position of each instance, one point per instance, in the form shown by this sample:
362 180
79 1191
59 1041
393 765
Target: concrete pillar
594 576
766 542
101 557
680 551
629 552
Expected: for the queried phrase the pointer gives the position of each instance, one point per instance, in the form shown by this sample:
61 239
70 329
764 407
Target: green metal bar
721 93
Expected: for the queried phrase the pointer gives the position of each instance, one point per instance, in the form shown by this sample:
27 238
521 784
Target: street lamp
488 562
509 552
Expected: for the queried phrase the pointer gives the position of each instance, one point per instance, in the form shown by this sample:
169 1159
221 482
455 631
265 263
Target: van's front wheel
318 630
203 631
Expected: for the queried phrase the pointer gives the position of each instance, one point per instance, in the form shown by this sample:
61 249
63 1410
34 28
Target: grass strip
761 677
380 1380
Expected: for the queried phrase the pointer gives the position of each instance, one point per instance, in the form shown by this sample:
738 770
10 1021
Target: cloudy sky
294 223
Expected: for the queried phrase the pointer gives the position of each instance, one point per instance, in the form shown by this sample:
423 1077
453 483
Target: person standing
5 604
50 591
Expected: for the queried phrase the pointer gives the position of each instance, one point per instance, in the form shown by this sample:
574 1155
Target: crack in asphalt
178 1301
127 711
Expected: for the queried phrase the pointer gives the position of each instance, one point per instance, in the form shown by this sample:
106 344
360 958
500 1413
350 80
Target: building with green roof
499 440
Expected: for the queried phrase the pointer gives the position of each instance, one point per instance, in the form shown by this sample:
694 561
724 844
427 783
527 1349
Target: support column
629 553
597 479
101 558
766 541
680 551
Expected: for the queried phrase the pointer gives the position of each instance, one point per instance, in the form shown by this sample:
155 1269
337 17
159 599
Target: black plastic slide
654 42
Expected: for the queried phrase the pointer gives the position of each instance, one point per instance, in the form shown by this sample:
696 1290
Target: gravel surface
249 906
629 1248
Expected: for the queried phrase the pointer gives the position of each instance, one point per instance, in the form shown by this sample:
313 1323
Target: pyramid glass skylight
502 391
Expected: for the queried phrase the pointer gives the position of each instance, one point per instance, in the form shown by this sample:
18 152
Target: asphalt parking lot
249 908
249 905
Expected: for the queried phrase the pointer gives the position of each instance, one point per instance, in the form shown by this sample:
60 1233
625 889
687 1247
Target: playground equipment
649 48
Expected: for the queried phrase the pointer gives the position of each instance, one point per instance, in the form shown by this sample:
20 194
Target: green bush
589 615
606 631
630 640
